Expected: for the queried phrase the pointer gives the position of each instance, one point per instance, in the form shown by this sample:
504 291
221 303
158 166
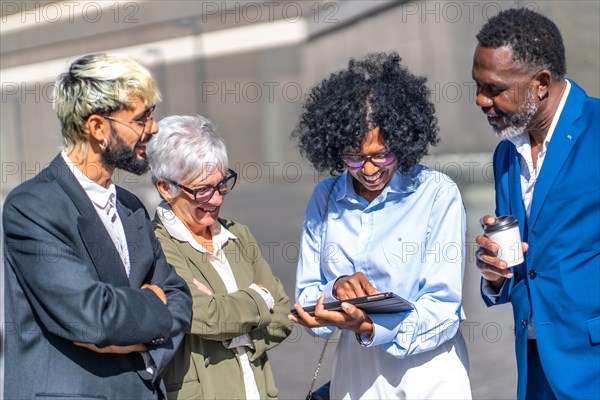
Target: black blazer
65 282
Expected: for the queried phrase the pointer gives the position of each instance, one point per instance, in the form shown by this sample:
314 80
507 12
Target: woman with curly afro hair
382 223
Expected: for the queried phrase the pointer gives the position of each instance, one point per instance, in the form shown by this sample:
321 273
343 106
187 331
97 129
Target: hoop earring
102 144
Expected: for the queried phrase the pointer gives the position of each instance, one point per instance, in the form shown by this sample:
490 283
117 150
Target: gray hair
185 147
99 84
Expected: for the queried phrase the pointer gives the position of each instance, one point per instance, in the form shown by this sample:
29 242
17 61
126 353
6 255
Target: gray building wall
254 95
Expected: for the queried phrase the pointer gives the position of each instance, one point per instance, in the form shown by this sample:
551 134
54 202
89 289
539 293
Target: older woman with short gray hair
239 307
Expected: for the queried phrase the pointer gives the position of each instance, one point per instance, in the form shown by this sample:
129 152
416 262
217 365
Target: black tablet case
381 303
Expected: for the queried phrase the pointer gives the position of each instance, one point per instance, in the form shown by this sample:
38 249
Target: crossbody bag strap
323 229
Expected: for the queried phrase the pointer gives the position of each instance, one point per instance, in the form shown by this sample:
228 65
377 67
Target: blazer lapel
205 268
102 251
99 246
516 200
563 140
510 201
141 253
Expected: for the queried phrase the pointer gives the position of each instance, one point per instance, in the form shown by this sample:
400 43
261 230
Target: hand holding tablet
380 303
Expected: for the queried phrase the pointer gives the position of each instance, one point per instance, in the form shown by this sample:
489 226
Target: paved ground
274 213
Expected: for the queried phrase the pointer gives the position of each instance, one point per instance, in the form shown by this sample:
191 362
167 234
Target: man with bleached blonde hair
92 309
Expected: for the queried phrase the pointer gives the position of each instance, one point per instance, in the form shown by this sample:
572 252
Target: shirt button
532 274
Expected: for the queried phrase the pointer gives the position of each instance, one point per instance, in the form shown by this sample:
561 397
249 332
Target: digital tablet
381 303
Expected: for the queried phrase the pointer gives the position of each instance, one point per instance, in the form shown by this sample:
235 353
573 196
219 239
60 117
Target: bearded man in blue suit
547 174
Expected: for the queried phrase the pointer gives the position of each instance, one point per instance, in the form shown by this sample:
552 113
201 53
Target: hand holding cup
500 247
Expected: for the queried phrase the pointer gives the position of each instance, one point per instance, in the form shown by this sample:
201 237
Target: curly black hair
373 92
535 40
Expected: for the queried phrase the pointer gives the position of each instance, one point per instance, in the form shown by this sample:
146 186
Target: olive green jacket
203 368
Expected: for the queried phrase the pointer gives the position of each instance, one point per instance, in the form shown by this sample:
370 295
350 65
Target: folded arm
63 287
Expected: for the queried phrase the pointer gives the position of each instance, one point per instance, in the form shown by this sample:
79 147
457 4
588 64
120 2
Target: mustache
490 112
143 142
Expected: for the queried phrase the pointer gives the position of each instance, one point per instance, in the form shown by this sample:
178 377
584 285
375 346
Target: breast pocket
574 192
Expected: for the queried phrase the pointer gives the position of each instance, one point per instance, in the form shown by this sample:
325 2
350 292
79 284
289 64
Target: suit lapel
516 200
140 249
566 134
512 201
98 244
102 251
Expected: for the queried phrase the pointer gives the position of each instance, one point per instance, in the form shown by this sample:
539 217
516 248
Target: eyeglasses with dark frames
204 193
142 121
383 159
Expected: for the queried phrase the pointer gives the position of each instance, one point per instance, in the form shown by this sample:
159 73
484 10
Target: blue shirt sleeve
438 306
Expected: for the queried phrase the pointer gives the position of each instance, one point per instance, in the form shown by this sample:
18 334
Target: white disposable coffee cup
505 232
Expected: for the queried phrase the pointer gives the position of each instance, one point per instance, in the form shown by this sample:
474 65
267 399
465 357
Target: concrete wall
254 93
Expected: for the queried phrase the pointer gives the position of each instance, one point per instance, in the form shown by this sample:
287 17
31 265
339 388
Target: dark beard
119 155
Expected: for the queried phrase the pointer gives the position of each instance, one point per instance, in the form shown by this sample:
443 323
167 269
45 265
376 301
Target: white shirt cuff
239 341
488 290
149 362
265 294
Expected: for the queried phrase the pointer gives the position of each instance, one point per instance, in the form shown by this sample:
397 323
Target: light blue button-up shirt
409 240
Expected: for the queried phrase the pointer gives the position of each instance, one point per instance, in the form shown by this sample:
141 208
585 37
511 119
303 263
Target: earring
102 144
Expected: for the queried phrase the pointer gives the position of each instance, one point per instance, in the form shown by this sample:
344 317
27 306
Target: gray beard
510 132
517 123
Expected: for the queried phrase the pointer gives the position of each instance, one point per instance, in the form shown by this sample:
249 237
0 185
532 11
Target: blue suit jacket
65 282
560 280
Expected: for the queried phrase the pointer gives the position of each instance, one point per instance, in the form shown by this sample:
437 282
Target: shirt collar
179 231
400 183
99 195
